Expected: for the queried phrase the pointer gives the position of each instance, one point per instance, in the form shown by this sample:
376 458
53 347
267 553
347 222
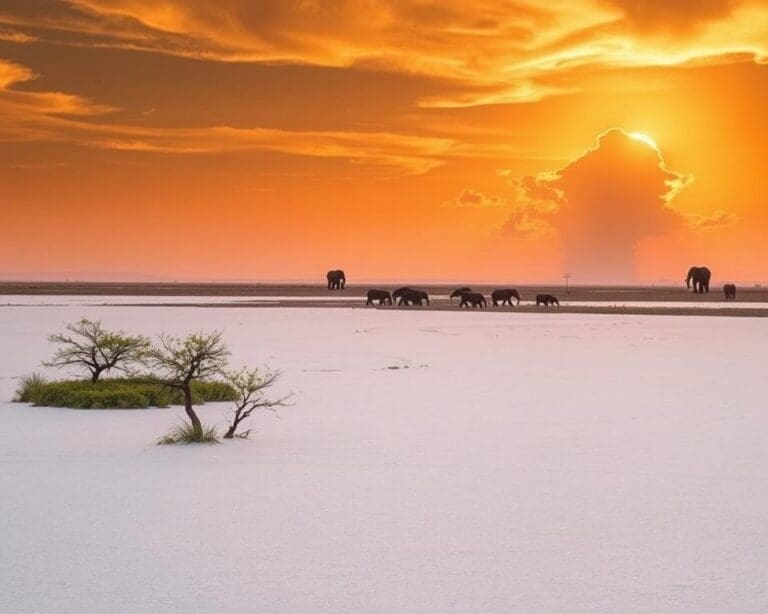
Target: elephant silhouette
413 297
730 292
382 296
547 299
505 296
459 291
397 294
699 276
472 299
336 279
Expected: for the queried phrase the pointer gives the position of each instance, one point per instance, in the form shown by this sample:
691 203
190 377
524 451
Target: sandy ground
432 462
661 300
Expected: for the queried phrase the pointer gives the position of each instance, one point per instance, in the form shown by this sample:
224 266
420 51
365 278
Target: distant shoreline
608 299
577 292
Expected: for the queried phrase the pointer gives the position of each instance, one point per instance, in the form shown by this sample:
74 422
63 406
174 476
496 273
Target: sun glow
644 138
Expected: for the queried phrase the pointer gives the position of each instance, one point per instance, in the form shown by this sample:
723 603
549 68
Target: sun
644 138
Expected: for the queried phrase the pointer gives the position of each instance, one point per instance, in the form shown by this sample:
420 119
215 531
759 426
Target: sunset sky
272 140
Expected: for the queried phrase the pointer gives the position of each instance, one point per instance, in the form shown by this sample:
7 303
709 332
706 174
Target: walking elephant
398 294
413 297
546 300
505 296
472 299
699 276
459 291
730 292
384 297
336 279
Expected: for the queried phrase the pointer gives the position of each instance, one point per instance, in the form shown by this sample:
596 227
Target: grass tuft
29 387
185 434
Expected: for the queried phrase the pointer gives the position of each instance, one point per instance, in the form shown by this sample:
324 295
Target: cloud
14 36
473 198
601 205
404 153
717 219
29 115
516 52
62 117
677 15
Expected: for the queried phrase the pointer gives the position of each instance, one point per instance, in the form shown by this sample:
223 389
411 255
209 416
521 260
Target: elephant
459 291
382 296
700 276
546 299
730 292
397 294
336 279
505 296
475 299
413 297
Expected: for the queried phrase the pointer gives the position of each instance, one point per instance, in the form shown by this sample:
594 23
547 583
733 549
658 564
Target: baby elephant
475 299
730 292
382 296
505 296
546 299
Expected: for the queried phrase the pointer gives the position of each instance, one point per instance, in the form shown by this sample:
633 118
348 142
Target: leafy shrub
85 395
214 391
185 433
114 393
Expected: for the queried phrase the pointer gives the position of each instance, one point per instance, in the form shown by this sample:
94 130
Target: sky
615 141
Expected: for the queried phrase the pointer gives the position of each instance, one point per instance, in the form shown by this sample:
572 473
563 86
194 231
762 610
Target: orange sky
273 140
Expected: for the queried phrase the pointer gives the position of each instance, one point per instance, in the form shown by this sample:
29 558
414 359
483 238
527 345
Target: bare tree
250 385
178 362
89 346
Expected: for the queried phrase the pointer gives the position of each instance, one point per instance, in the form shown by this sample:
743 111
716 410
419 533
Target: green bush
115 393
213 391
86 395
184 433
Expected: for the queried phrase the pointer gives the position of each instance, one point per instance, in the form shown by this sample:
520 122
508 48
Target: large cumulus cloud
602 205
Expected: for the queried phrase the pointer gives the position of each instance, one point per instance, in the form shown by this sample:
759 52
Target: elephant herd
409 296
698 278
